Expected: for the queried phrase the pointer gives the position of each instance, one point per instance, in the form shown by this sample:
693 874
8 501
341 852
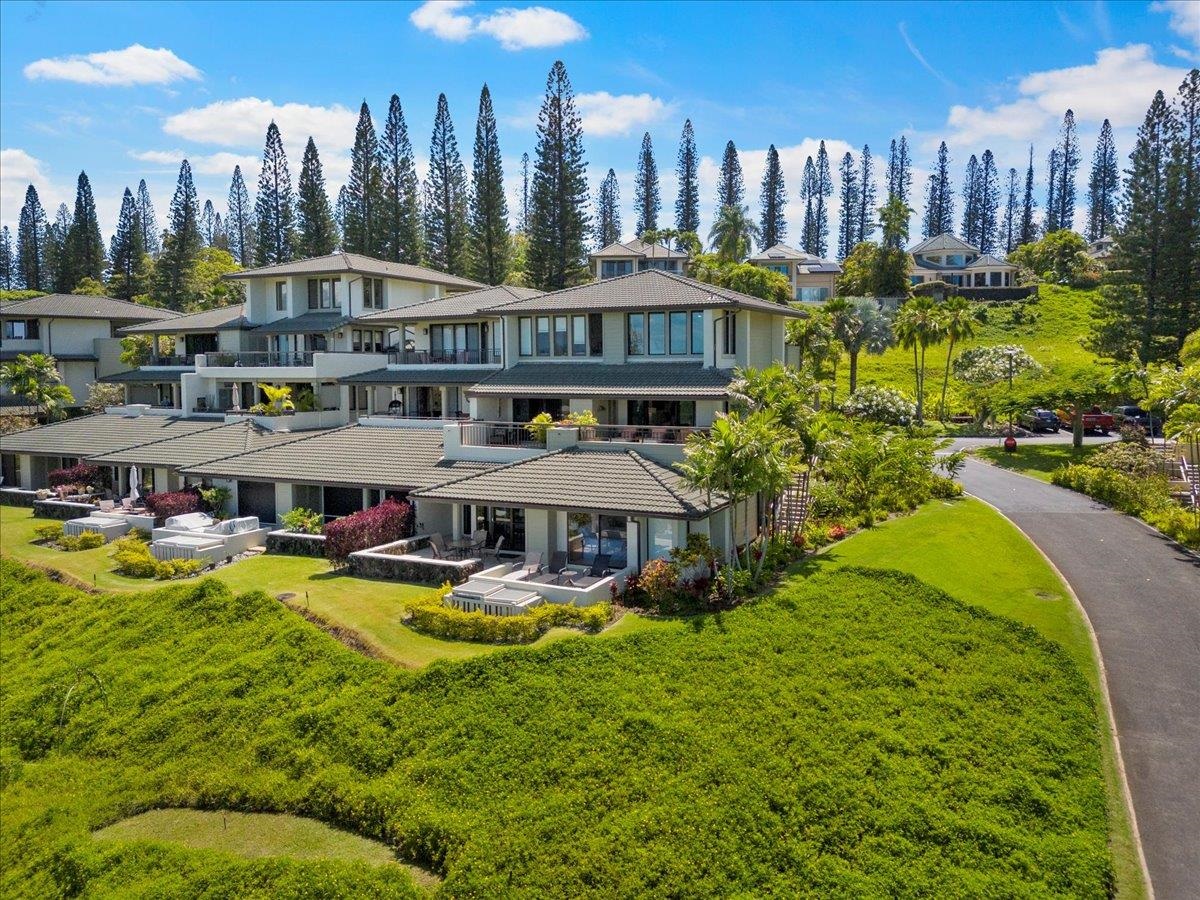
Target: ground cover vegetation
223 701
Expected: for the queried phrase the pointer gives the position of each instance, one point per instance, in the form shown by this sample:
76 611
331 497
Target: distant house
627 257
946 258
813 279
1102 248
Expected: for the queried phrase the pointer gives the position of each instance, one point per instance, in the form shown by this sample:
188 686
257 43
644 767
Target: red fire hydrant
1010 444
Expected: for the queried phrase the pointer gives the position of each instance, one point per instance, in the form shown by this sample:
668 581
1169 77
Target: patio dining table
461 546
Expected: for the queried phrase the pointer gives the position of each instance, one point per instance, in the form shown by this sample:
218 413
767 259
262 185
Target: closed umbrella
135 478
237 396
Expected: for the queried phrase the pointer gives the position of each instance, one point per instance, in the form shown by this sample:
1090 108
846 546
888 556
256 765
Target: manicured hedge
1147 497
431 615
857 734
166 504
390 521
81 474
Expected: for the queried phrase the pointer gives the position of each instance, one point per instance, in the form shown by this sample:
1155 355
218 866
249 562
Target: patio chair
558 565
478 540
126 504
494 552
532 564
438 545
600 567
107 506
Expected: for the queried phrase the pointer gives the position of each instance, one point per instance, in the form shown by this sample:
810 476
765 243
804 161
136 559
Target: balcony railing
444 357
188 360
516 434
260 358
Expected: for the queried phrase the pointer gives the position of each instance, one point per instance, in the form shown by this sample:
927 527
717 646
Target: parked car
1094 420
1135 415
1037 420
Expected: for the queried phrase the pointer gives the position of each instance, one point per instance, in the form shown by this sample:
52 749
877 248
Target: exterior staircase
793 505
1191 475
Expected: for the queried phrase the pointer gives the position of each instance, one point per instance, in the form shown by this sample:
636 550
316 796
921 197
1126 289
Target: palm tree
859 325
35 377
278 402
733 232
919 325
960 326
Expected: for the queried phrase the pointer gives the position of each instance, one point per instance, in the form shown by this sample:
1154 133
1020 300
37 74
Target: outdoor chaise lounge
492 598
186 537
111 525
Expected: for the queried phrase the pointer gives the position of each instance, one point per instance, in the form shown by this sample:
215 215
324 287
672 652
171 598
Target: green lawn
1062 321
370 609
971 552
1036 460
853 733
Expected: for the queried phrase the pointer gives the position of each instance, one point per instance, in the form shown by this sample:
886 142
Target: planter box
17 497
291 543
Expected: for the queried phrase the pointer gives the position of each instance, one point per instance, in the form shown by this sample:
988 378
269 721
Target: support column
442 392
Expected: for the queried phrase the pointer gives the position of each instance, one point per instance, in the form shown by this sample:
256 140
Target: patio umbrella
237 396
135 478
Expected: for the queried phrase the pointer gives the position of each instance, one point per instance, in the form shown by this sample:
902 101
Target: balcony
516 434
444 357
273 358
171 362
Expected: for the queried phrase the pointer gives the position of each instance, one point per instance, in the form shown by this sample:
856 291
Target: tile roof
638 247
459 306
611 481
306 323
651 289
102 433
79 306
219 319
199 446
989 261
420 375
61 357
665 379
359 264
945 241
354 455
146 376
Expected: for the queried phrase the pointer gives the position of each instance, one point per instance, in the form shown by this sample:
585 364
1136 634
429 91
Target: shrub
215 500
1177 523
390 521
1128 457
48 533
659 583
301 521
166 504
78 474
880 404
168 569
89 540
539 425
1127 493
132 558
430 614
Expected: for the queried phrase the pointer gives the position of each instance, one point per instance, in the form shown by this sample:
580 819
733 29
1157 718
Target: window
525 409
561 347
21 329
367 340
589 534
781 269
657 331
636 334
322 293
579 344
995 279
697 332
281 296
660 537
497 521
542 345
679 333
611 268
812 294
372 293
525 336
595 334
678 413
730 320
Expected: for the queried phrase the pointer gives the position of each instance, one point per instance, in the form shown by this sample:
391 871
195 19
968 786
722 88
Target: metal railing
444 357
187 360
260 358
517 434
496 434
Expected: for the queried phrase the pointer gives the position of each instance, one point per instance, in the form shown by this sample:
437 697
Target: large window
812 294
21 329
455 343
368 340
781 269
661 537
595 334
560 335
589 534
681 413
322 293
561 342
526 408
542 345
281 296
372 293
697 317
611 268
678 333
579 344
730 323
497 521
635 343
656 330
525 336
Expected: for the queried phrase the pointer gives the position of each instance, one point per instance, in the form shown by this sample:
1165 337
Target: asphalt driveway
1143 598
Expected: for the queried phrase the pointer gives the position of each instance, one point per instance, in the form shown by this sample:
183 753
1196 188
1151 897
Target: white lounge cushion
235 526
190 521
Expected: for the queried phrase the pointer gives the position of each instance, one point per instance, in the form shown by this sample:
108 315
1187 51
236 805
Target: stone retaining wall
292 543
388 562
17 497
61 509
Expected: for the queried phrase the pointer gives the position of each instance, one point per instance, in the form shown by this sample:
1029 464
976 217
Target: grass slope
1036 460
1062 320
855 733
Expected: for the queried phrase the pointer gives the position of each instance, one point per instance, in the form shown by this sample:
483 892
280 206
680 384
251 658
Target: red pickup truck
1094 419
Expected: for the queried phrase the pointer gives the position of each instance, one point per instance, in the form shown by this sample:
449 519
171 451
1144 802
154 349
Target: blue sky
125 90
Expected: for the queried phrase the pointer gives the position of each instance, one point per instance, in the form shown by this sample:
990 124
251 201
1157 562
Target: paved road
1143 598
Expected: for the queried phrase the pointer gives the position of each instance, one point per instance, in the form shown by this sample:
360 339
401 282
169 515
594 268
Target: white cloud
534 26
18 170
214 164
920 57
133 65
243 123
606 115
515 29
1185 17
1118 86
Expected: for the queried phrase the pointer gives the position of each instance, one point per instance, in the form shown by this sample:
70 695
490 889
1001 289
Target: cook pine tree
400 188
608 211
647 199
772 227
848 206
148 223
939 198
687 168
989 202
239 220
175 267
1011 223
274 205
1027 233
972 185
731 187
445 197
362 226
58 266
8 267
1067 165
84 255
899 171
32 229
127 251
808 194
316 235
491 244
865 225
1103 185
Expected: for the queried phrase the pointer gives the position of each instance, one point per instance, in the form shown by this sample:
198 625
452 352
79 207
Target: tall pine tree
1103 186
362 230
127 251
1181 214
848 209
491 244
899 171
772 228
32 233
147 220
1051 222
85 247
400 188
608 211
275 205
808 193
972 185
174 272
8 265
314 216
1027 233
239 220
821 206
939 198
58 263
445 197
1011 224
208 223
647 200
687 176
524 193
558 219
865 226
989 202
1068 164
731 188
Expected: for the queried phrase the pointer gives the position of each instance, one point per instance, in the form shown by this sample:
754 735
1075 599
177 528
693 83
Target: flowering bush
836 532
165 504
880 404
299 520
988 365
78 474
390 521
659 581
